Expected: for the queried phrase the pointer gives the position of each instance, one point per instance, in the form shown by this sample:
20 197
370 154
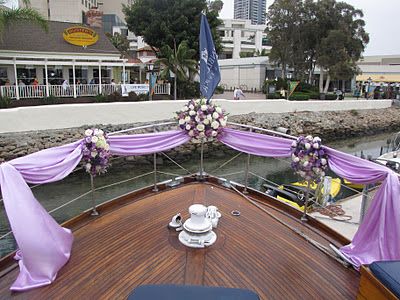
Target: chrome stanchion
246 180
202 160
155 188
304 216
94 210
364 199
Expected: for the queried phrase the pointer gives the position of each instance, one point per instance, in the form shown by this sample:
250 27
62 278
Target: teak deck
129 244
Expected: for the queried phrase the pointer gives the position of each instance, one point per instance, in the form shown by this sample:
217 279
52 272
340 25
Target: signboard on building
80 36
137 88
94 18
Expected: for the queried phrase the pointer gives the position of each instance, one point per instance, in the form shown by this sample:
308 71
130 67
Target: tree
215 5
120 42
165 22
10 16
179 61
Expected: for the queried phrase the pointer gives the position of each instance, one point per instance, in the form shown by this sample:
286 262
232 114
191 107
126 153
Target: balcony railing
81 90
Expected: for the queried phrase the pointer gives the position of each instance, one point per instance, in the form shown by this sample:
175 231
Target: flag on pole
209 68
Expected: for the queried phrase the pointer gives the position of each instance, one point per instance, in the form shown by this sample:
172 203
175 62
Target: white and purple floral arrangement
96 152
203 121
309 158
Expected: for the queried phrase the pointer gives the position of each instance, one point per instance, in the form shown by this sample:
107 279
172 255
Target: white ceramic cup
212 212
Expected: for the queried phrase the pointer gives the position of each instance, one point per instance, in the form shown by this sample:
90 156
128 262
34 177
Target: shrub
5 102
100 98
274 96
143 97
299 97
49 100
314 95
113 97
219 90
132 96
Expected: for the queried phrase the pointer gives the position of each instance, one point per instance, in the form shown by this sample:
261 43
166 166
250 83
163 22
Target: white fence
81 90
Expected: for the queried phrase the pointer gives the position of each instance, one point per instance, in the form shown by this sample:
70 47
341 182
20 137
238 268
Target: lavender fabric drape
256 144
378 237
44 246
147 143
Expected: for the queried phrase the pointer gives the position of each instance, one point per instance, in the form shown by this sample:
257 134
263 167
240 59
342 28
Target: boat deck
130 244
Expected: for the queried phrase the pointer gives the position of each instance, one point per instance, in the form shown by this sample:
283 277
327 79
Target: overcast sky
382 20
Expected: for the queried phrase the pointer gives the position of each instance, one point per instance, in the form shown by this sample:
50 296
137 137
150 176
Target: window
81 75
105 75
124 32
27 74
55 75
3 76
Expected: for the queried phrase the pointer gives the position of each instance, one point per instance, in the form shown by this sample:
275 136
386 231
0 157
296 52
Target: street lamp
151 67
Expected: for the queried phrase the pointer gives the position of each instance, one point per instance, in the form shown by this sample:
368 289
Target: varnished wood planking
132 246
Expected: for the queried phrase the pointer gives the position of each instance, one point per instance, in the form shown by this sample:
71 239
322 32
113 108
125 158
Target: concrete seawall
75 115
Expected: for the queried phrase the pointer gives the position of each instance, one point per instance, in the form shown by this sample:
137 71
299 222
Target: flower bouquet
309 159
96 152
203 121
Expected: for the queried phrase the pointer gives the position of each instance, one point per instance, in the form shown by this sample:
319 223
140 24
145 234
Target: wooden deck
130 244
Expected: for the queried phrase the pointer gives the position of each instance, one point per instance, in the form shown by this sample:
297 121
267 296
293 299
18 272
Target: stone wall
328 125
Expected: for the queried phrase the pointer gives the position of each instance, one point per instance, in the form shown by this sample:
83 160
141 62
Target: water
55 194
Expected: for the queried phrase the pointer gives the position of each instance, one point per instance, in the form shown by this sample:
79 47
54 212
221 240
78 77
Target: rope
333 211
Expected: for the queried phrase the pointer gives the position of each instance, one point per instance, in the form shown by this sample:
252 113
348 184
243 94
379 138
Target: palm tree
177 61
12 15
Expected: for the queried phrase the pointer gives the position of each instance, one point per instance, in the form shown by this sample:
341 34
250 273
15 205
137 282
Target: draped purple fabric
378 237
256 144
147 143
44 246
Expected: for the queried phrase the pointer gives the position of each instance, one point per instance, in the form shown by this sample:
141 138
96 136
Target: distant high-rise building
253 10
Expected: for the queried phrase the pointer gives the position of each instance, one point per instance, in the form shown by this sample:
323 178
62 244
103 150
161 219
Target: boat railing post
202 160
304 216
155 188
246 180
94 210
364 200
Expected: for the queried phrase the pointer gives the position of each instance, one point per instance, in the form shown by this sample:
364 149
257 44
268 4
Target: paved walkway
228 95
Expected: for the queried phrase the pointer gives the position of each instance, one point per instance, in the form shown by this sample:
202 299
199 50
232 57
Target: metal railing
242 177
81 90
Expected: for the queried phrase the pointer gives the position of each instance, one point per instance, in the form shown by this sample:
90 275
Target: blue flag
209 68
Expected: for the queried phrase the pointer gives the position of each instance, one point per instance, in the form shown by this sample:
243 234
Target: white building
241 36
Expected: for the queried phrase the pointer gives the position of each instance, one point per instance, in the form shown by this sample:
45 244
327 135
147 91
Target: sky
382 20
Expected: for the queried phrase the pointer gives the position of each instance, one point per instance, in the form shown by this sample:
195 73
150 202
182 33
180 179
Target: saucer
193 227
188 228
188 241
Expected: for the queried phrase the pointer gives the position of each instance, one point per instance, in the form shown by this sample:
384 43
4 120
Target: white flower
305 164
187 119
218 110
322 174
307 146
95 131
93 153
181 121
294 144
209 117
222 123
88 166
101 132
191 133
197 119
200 127
215 124
323 161
185 108
192 113
309 137
206 121
215 115
94 139
225 118
191 106
188 127
107 147
296 159
302 173
214 133
201 134
204 107
316 146
316 139
88 132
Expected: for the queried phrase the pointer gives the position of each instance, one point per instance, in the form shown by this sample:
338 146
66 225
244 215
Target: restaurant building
68 60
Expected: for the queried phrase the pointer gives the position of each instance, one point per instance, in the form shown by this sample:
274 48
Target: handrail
263 129
142 127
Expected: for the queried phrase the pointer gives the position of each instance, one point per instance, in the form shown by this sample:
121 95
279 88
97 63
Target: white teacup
212 212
